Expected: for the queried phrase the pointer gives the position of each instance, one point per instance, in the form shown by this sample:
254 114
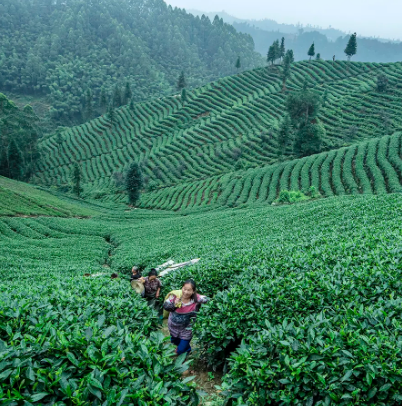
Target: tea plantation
305 310
371 167
232 124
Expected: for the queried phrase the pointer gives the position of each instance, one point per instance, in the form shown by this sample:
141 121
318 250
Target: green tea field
305 305
231 125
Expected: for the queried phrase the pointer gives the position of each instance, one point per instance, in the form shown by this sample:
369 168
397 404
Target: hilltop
228 125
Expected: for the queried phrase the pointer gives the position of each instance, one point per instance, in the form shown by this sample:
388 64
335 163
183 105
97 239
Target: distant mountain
271 25
328 41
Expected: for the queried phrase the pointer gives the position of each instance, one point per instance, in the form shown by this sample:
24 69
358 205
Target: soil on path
206 379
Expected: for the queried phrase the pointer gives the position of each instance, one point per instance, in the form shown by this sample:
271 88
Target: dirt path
206 379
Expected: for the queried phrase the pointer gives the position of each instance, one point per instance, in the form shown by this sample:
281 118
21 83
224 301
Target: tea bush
354 358
330 265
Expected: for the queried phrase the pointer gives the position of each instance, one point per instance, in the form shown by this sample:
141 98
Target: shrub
286 196
86 343
346 360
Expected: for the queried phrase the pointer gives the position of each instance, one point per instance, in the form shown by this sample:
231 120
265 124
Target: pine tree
303 108
284 135
271 55
103 102
181 83
311 51
59 138
183 97
282 48
285 72
127 94
290 55
76 179
14 160
318 57
382 83
238 63
351 47
309 139
88 105
134 183
117 97
277 49
111 115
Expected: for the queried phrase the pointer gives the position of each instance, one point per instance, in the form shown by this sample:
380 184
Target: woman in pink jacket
182 311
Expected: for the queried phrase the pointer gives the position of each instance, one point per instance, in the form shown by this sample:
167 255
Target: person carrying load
136 281
183 307
152 288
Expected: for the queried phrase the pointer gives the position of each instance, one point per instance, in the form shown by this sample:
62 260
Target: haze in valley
372 18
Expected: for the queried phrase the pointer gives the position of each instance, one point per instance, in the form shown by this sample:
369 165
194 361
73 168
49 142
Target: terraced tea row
372 167
229 122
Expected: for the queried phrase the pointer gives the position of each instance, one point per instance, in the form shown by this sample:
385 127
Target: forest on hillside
80 55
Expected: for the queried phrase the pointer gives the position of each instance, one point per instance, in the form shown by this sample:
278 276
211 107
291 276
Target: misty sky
381 18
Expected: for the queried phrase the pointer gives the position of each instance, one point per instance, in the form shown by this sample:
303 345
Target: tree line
19 134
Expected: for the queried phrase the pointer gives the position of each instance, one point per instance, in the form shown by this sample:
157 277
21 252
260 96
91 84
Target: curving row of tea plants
372 167
231 121
305 310
67 339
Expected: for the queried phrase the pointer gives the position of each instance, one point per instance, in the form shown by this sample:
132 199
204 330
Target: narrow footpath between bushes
206 379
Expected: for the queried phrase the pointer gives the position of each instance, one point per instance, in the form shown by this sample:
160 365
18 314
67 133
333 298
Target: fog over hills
329 41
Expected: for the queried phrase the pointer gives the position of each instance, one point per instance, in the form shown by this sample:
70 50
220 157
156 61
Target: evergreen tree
111 115
284 135
290 55
127 94
4 162
351 47
282 48
131 104
103 102
14 161
59 138
277 49
311 51
309 139
183 96
382 83
181 83
117 102
88 105
271 55
318 57
134 183
285 72
238 63
76 179
303 108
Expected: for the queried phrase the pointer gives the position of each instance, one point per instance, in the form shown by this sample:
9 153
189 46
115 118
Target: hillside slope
226 125
21 199
71 46
372 167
